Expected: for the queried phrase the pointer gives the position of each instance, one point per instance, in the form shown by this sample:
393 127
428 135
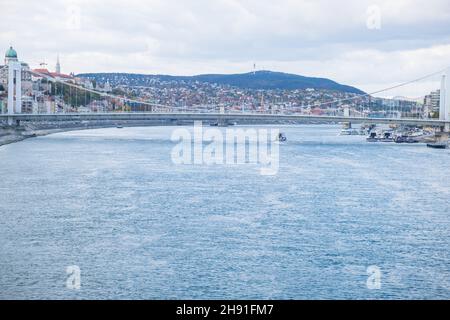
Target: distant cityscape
47 91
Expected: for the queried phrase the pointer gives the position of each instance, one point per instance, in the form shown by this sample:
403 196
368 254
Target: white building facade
15 78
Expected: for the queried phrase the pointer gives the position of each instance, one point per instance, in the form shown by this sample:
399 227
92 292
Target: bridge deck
230 117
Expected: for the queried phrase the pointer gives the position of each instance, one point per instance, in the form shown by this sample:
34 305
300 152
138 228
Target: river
112 203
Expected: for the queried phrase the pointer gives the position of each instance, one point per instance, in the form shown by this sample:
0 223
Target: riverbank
8 136
4 140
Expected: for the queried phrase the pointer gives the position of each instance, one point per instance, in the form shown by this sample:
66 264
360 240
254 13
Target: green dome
11 53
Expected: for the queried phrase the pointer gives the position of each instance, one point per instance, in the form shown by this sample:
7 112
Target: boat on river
282 137
373 137
438 145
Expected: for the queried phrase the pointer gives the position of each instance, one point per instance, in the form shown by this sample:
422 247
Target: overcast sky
368 44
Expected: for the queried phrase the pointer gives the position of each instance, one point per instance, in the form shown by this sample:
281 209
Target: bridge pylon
14 88
444 103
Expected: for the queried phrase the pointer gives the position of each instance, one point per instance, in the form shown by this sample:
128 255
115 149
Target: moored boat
373 137
349 132
405 139
387 137
438 145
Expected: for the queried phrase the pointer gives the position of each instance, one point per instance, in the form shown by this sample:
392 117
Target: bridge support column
347 112
346 125
447 102
444 103
14 87
443 96
442 137
18 106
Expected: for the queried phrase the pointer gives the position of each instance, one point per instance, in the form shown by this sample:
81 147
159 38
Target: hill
259 80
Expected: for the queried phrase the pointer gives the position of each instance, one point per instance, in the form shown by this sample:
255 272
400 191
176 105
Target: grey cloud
227 35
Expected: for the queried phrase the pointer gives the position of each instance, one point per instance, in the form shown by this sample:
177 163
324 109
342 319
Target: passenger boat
405 139
349 132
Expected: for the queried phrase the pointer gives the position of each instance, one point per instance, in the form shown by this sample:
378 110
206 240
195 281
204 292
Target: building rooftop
52 74
11 53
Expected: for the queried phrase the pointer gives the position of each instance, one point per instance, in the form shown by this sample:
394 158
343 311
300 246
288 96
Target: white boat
350 132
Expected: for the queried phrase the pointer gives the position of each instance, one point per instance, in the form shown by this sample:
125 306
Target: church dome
11 53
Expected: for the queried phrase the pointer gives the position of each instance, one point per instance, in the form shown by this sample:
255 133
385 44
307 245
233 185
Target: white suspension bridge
166 114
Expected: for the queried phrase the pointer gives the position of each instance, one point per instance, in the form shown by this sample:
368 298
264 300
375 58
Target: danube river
112 203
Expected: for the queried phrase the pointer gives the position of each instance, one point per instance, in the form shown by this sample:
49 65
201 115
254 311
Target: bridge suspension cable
382 90
102 94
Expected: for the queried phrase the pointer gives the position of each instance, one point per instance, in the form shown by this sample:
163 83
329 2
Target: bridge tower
442 99
14 83
444 103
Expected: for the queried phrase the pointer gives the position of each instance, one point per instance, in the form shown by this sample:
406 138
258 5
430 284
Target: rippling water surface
112 202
